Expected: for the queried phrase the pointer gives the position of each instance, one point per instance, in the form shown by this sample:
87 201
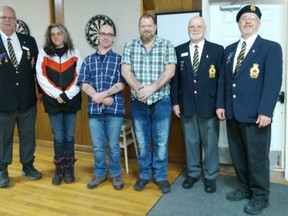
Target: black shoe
4 177
189 182
141 184
255 206
30 171
164 186
237 195
210 185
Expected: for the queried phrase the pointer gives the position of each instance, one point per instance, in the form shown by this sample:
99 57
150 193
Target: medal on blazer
32 62
212 71
28 55
254 71
28 51
3 56
181 65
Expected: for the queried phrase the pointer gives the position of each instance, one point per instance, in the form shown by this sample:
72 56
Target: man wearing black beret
249 85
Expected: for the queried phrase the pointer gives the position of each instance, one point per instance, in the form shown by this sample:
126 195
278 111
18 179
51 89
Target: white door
223 29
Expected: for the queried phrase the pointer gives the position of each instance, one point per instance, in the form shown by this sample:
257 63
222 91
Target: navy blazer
255 88
17 87
197 94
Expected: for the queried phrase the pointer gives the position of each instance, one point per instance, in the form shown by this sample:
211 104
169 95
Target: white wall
123 13
35 13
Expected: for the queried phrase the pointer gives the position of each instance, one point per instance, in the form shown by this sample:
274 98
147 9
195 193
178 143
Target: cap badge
253 8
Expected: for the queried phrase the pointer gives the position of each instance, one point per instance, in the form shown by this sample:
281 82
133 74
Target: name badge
184 54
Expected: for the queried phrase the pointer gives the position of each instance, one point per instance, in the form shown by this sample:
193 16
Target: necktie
240 58
12 54
195 60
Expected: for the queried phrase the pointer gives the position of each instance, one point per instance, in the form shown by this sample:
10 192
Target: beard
147 36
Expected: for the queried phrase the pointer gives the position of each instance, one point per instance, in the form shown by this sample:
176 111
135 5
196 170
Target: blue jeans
106 128
63 127
152 121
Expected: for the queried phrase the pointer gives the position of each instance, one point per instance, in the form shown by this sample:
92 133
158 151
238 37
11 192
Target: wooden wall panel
43 128
169 5
188 4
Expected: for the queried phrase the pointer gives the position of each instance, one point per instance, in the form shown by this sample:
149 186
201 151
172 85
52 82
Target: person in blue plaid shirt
100 78
148 64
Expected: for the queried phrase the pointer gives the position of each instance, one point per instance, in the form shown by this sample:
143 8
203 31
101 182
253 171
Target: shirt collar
5 37
157 40
200 44
250 40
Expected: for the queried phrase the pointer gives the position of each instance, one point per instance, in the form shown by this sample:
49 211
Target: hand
176 110
60 100
263 121
98 98
145 92
220 112
108 101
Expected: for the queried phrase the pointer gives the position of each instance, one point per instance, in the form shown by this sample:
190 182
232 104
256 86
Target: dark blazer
197 94
17 87
255 88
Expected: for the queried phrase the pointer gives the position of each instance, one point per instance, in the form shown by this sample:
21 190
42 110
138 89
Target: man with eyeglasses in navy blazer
193 96
17 96
249 86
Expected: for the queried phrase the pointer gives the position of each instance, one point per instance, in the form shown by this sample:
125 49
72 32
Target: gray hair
67 39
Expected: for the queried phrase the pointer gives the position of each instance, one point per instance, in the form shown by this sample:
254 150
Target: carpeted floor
195 202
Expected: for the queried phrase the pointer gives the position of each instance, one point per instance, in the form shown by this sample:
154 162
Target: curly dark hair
48 44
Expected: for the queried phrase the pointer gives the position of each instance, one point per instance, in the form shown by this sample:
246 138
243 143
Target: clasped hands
144 92
101 98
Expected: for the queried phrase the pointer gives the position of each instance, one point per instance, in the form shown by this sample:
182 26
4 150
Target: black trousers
25 121
249 148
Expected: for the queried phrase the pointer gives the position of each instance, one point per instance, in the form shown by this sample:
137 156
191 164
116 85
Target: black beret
249 9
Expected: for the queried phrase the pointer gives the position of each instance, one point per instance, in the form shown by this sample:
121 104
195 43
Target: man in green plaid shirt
148 64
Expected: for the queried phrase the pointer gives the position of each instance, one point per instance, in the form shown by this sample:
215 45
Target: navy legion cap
249 9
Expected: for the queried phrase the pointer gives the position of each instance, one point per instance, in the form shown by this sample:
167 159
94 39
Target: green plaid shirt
147 67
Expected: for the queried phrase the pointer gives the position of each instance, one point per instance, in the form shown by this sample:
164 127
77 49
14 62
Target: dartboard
93 26
21 27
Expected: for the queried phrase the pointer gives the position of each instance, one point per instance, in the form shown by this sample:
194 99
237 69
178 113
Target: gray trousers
25 121
198 132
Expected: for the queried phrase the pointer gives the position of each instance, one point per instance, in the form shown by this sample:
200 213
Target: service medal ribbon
181 65
5 57
229 57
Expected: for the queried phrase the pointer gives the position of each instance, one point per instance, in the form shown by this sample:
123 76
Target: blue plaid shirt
102 75
148 67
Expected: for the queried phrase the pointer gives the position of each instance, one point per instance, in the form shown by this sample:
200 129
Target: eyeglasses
103 34
195 27
7 18
246 18
56 34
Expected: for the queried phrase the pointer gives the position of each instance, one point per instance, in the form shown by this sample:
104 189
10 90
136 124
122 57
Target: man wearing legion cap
248 89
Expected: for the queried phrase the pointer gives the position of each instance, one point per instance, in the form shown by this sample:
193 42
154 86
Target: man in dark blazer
17 96
247 95
193 96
